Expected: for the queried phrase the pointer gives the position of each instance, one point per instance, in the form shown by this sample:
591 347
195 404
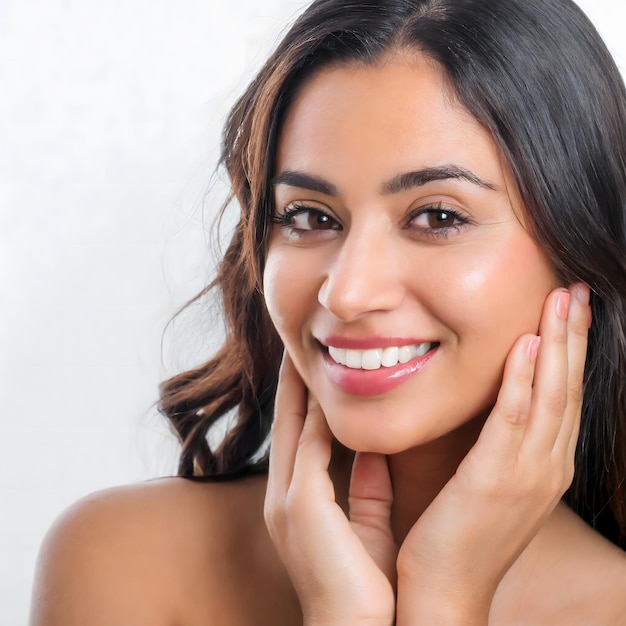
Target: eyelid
460 220
292 205
290 196
287 219
438 205
305 204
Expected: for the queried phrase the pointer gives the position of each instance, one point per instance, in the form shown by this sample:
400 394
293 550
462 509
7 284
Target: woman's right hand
343 570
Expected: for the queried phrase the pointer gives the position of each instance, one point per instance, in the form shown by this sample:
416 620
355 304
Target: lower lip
358 382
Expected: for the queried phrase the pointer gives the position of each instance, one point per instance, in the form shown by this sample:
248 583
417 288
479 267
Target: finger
549 399
314 451
371 493
371 497
503 432
289 418
577 332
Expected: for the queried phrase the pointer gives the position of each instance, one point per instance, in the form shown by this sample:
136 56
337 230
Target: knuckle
558 480
514 414
575 392
533 485
540 490
556 401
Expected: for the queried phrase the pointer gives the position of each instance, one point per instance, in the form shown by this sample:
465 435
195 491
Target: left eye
312 219
305 218
437 220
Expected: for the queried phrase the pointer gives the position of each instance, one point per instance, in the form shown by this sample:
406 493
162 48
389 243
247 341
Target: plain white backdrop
110 119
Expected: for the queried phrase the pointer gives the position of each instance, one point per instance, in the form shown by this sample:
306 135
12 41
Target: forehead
395 115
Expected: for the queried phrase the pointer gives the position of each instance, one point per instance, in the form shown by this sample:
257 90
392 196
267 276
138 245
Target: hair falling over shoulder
241 377
537 74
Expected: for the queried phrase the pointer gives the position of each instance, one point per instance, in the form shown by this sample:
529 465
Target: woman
433 232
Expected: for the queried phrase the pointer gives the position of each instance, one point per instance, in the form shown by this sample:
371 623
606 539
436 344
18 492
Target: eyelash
459 221
286 220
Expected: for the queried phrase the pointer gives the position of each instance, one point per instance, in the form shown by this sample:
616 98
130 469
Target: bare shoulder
607 579
572 575
165 552
597 575
616 604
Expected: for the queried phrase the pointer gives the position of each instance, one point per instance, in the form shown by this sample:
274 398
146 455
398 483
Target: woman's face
400 251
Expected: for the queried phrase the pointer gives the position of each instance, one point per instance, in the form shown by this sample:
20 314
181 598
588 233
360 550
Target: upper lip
368 343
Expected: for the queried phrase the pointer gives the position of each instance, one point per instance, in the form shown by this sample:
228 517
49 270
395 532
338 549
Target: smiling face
399 251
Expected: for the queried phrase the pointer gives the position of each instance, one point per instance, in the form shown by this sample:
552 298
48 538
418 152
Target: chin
385 436
372 429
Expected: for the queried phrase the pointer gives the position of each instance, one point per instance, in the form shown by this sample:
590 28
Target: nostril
349 296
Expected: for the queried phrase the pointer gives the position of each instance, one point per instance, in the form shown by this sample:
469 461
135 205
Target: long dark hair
538 76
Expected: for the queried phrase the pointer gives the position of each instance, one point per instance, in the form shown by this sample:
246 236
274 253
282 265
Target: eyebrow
304 181
401 182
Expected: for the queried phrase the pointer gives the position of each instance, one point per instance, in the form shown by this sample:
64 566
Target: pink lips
359 382
369 342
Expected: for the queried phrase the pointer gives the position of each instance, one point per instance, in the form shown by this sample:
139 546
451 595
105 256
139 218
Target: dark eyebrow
403 182
304 181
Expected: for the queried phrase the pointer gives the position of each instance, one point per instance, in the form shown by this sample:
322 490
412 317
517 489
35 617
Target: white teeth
372 359
338 354
423 348
390 356
353 359
406 353
376 358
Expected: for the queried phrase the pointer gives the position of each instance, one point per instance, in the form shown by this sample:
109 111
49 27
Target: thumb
370 499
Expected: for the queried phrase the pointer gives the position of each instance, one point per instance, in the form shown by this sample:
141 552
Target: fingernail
533 348
562 304
581 293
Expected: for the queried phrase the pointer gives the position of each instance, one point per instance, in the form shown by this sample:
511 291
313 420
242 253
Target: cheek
287 292
501 293
273 278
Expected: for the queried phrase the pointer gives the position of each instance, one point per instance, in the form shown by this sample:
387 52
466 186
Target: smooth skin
450 512
365 249
454 557
444 260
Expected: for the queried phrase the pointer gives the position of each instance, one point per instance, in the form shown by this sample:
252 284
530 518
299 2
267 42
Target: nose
363 277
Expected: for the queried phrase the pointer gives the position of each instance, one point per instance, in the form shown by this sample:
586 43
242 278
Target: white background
110 117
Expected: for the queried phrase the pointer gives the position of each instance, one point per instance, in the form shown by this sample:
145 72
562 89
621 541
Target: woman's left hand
454 557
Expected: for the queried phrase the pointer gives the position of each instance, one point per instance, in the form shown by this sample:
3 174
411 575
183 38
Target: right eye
302 218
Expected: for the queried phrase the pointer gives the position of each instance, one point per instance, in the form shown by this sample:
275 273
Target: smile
375 358
375 371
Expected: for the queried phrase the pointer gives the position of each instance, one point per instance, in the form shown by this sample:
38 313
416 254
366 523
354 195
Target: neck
419 474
